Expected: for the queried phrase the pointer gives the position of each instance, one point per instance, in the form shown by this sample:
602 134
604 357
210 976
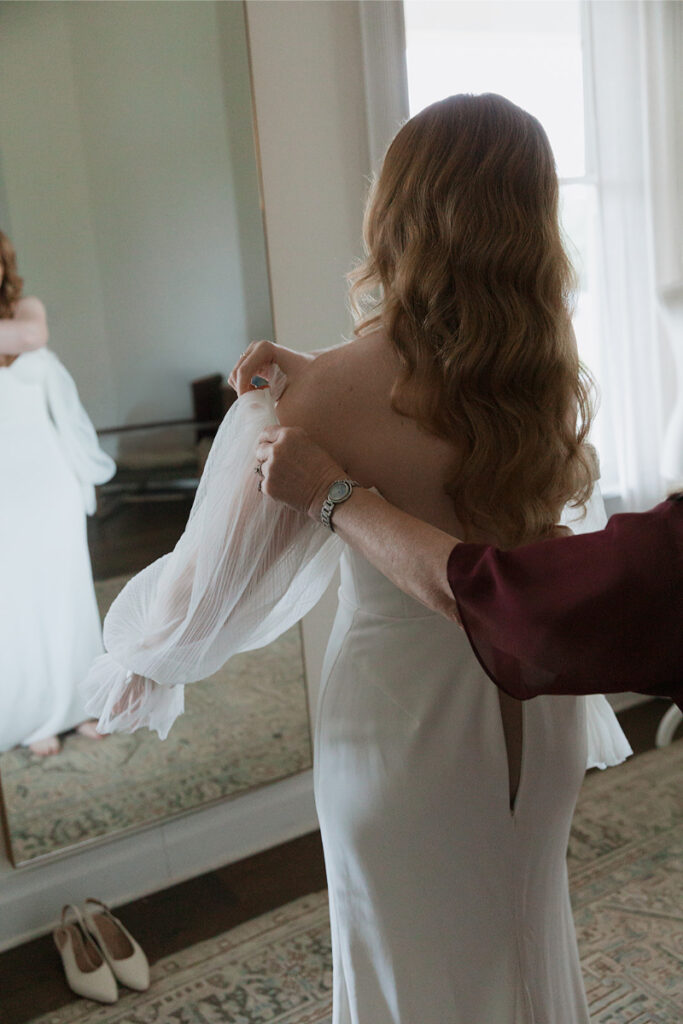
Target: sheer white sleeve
607 742
245 569
76 433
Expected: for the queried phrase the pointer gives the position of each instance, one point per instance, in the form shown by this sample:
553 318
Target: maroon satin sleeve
592 613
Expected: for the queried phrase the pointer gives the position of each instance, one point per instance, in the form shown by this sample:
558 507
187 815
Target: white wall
314 159
315 167
48 211
310 110
131 185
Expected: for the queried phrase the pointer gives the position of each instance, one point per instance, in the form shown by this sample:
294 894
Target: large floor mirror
129 187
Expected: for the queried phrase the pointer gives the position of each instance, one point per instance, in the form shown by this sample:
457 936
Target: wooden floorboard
135 534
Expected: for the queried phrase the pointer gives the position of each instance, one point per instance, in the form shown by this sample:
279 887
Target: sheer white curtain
633 57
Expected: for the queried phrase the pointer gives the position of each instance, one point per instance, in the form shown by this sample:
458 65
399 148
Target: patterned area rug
626 875
244 726
626 872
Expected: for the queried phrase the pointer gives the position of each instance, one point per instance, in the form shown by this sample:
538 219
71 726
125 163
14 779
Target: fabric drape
78 438
244 571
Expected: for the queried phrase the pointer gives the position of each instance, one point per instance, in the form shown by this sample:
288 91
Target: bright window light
529 51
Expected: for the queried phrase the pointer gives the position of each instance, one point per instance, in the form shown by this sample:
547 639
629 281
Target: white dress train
49 623
445 905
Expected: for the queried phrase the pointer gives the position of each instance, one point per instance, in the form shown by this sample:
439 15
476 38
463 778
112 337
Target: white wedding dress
49 623
445 906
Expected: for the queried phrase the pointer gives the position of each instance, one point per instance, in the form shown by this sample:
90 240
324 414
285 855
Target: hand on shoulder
260 358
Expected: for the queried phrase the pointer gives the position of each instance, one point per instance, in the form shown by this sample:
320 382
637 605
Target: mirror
129 187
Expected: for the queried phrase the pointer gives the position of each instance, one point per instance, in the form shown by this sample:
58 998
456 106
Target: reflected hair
12 284
466 271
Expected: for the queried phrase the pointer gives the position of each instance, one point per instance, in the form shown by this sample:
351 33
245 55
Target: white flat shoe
123 954
87 973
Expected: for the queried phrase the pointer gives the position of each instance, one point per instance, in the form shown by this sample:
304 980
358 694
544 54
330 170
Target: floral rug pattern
244 726
626 876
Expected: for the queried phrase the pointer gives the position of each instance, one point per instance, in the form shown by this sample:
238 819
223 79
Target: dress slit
512 718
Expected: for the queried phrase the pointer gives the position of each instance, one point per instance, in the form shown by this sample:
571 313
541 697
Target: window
531 53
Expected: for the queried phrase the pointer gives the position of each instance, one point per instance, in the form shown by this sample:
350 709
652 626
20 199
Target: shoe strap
70 907
97 906
79 924
98 903
107 912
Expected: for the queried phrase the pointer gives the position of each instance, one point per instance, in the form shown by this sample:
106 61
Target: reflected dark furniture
161 474
142 511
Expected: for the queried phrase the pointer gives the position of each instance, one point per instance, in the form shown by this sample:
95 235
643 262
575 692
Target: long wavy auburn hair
467 273
12 284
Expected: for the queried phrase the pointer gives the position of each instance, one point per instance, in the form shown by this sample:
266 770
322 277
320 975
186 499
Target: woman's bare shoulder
335 385
29 307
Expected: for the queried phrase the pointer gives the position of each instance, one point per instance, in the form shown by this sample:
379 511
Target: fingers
291 468
283 439
270 433
263 452
257 359
276 459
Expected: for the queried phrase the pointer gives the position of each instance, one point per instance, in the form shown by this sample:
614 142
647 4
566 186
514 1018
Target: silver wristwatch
339 491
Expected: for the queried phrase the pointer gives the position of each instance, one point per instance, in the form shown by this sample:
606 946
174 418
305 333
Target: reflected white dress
445 907
49 624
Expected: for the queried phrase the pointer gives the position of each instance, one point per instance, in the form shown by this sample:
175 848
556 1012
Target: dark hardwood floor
31 978
135 534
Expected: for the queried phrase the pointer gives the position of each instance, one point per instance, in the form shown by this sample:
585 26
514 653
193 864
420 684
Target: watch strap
330 503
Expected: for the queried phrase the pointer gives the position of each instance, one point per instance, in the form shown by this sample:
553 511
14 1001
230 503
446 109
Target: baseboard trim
134 866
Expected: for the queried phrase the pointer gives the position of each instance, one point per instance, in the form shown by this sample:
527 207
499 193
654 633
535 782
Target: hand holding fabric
245 570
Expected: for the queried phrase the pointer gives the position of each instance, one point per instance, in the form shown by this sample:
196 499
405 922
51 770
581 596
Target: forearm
17 336
411 553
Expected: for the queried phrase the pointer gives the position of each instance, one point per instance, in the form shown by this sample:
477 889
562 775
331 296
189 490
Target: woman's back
343 400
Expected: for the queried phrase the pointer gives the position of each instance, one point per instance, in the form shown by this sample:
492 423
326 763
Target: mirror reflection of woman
49 462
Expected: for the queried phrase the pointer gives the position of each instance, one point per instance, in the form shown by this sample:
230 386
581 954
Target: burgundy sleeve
593 613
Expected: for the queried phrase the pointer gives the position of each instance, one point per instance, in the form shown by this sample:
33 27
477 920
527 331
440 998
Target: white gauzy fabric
245 569
607 743
49 461
77 436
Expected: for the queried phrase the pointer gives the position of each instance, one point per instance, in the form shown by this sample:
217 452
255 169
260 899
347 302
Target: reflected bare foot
43 748
89 729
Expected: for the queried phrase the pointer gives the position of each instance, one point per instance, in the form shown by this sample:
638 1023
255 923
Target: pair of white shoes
97 951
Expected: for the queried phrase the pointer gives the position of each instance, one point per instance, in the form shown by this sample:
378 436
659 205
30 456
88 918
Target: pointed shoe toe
121 951
87 972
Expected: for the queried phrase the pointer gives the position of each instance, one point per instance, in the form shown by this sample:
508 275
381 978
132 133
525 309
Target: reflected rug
244 726
626 875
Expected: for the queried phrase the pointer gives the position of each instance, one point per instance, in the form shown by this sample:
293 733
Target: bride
444 805
49 461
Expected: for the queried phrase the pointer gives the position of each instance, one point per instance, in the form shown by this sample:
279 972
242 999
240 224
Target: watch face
339 490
